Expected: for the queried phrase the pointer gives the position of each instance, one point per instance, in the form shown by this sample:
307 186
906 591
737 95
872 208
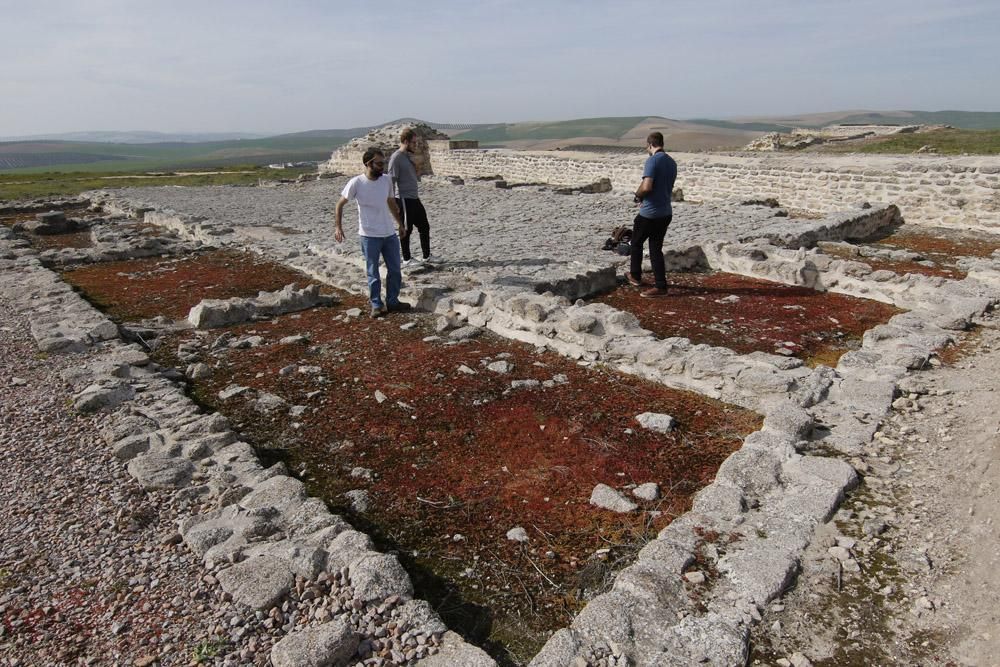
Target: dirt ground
909 571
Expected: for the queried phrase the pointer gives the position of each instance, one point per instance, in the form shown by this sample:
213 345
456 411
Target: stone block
258 582
331 644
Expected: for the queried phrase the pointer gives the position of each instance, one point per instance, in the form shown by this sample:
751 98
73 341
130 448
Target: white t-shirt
374 218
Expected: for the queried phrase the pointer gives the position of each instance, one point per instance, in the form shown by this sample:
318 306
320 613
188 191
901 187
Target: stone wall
347 158
959 192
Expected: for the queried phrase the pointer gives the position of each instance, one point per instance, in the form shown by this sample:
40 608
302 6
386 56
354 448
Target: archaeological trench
535 466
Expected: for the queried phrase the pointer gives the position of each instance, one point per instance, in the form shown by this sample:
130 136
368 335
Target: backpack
621 235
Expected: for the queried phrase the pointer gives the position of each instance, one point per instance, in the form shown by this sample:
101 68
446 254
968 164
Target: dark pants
653 230
414 215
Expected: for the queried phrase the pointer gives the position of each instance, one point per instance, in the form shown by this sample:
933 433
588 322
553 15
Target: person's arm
339 216
391 203
644 188
393 170
646 185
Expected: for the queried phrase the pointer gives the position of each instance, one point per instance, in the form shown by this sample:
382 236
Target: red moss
820 325
145 288
900 267
458 453
944 245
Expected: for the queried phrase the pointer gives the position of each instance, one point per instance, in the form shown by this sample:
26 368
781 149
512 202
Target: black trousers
414 215
652 230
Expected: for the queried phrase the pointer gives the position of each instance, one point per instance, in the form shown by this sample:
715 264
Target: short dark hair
655 139
406 134
371 154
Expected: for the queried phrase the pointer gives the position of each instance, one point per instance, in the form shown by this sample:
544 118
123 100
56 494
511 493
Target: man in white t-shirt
377 208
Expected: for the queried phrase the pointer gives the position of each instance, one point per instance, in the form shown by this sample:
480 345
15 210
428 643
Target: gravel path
93 569
907 573
90 567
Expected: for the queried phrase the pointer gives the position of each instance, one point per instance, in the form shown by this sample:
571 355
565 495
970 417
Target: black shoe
400 307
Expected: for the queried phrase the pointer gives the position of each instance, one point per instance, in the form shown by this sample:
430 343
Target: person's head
654 142
374 161
407 139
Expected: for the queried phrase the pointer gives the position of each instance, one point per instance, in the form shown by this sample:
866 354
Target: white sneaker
433 258
407 263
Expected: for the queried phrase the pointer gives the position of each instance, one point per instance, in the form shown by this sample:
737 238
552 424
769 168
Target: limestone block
455 651
280 491
558 651
258 582
219 313
661 423
755 472
759 571
787 418
667 553
419 614
204 536
98 397
156 471
652 584
605 497
721 500
607 618
711 639
346 547
377 576
331 644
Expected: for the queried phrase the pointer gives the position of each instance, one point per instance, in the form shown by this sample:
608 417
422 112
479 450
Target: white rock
654 421
605 497
232 391
517 534
503 366
649 491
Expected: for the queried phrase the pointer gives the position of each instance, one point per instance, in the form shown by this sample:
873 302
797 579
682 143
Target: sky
271 67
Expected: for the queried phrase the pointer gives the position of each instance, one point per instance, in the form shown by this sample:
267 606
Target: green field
607 128
965 120
43 156
944 142
747 127
21 186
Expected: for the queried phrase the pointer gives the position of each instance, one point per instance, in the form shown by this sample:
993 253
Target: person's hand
339 234
402 232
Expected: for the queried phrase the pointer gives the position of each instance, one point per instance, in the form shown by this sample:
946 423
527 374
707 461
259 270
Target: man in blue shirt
654 217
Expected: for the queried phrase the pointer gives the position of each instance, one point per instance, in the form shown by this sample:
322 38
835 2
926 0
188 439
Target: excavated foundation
502 442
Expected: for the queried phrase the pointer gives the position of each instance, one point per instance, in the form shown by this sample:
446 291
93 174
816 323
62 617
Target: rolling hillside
98 156
608 133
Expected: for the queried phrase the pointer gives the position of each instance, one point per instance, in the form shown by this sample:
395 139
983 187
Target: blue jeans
373 247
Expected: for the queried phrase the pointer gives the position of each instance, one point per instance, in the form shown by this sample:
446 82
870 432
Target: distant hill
137 137
148 151
965 120
162 156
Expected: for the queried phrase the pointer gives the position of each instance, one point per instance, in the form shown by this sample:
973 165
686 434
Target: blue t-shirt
663 170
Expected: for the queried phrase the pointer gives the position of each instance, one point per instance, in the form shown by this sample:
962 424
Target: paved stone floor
486 233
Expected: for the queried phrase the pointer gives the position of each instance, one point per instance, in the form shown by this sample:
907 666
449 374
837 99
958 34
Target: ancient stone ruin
529 400
347 158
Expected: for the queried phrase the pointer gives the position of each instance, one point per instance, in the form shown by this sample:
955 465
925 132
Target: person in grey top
404 177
